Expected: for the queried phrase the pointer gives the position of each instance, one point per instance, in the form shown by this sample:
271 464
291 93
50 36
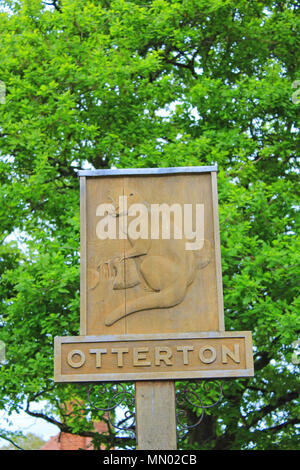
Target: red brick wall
66 441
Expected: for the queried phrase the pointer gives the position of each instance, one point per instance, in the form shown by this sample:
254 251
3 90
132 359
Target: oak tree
102 83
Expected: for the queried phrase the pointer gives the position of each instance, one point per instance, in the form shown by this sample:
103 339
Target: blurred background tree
29 441
100 83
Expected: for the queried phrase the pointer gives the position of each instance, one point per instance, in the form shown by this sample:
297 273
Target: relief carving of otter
163 267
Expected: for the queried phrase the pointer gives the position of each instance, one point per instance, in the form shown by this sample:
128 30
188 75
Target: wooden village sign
151 290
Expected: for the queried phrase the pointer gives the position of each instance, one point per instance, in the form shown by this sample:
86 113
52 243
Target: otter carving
164 268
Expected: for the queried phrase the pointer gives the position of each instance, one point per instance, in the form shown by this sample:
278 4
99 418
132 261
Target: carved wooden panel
153 283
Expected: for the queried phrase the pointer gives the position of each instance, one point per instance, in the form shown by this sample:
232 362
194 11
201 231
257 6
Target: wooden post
155 415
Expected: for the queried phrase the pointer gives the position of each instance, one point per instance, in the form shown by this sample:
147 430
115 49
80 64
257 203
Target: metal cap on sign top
148 171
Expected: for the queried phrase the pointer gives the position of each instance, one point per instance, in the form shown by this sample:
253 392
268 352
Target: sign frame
140 172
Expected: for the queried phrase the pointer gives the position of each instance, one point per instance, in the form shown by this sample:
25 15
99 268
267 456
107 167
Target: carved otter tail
166 298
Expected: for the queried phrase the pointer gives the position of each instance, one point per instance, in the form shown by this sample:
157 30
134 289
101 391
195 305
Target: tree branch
110 439
269 408
278 427
11 441
55 4
60 425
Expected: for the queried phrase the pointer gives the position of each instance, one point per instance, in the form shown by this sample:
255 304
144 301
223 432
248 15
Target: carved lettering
98 353
185 350
163 354
211 357
76 364
192 355
234 355
120 352
139 357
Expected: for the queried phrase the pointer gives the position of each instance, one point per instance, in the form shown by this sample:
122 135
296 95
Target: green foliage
144 84
28 442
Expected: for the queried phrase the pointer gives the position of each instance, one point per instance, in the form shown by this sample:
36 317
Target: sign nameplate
140 357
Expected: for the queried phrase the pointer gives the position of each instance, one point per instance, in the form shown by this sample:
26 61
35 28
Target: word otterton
101 358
